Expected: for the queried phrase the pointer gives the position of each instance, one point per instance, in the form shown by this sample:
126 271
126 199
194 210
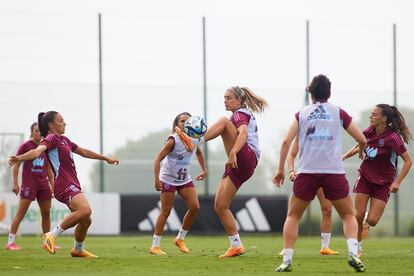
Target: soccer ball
195 127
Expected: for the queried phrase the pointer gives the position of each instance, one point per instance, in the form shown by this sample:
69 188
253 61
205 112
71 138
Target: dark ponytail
396 121
43 120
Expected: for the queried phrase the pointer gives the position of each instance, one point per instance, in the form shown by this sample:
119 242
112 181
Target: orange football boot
234 251
181 245
157 251
188 144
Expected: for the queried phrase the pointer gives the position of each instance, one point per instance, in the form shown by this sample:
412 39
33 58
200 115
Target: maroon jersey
34 173
59 151
382 151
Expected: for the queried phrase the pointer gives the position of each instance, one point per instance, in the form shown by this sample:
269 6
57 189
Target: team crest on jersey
371 152
38 162
37 165
73 188
381 143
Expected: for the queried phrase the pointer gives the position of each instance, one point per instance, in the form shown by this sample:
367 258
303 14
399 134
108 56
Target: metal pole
306 102
307 62
207 182
101 150
396 201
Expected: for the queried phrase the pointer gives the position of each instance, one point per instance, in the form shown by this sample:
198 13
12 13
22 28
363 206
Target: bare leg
224 197
82 212
361 202
167 201
21 211
346 212
290 229
45 213
376 209
326 209
190 198
226 129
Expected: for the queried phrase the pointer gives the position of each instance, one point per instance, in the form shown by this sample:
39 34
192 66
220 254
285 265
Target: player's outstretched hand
111 160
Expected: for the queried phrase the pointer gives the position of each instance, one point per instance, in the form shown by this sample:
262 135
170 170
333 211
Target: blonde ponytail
249 99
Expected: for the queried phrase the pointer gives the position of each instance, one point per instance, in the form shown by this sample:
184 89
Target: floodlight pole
396 201
101 149
206 180
306 102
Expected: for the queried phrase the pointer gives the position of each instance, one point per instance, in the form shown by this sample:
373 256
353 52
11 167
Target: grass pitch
128 255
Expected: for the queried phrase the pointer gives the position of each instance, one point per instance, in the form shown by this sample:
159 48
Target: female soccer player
377 173
318 128
67 187
241 143
175 176
36 176
326 206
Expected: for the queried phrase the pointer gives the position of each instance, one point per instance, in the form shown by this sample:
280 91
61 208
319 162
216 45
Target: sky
152 61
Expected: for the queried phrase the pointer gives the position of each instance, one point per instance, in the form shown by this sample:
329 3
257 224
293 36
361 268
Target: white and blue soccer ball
195 127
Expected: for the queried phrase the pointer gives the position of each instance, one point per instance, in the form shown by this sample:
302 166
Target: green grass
129 256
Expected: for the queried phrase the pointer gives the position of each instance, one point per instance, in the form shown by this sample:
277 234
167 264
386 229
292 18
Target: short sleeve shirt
59 151
381 155
34 172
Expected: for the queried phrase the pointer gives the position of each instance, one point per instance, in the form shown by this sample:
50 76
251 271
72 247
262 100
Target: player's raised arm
30 155
93 155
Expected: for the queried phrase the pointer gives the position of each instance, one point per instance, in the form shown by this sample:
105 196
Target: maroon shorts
167 188
42 193
363 186
66 195
306 185
247 162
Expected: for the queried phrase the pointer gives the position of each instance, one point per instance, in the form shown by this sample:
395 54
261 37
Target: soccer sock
287 258
78 246
360 246
352 246
235 240
325 240
12 238
57 231
156 240
181 234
